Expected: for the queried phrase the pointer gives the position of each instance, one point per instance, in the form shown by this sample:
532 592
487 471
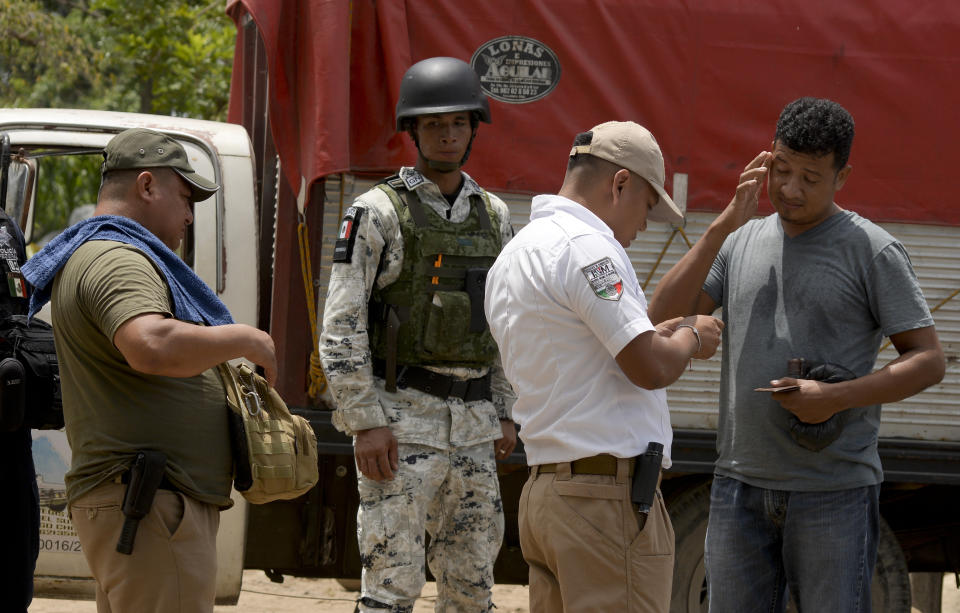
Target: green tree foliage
168 58
44 56
176 56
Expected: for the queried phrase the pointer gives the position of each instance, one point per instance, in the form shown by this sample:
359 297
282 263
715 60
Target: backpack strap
481 205
393 187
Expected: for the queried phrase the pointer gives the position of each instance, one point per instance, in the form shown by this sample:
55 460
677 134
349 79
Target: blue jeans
820 545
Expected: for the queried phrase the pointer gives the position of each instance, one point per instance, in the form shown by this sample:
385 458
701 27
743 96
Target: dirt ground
295 595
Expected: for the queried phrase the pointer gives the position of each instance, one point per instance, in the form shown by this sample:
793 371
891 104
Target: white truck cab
44 145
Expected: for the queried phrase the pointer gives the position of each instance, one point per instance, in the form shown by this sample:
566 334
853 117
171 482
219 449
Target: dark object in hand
818 436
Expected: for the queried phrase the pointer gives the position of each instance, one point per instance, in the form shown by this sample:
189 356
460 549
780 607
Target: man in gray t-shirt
795 496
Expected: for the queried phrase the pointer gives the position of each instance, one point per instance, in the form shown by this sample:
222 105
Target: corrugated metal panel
935 251
935 413
340 191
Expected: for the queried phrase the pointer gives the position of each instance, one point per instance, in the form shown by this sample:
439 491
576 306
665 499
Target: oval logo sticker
516 69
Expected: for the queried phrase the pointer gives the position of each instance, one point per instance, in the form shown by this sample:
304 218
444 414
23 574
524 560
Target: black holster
475 284
646 474
146 473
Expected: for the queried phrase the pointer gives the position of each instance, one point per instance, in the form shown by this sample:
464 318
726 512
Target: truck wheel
927 592
891 581
350 585
689 510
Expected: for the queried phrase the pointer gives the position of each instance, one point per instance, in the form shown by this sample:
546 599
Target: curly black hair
817 126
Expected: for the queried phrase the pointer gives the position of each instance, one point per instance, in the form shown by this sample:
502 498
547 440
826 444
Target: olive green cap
143 148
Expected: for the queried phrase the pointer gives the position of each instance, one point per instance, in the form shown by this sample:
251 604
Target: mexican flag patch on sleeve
604 279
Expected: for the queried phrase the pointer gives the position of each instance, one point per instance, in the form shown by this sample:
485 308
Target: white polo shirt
562 301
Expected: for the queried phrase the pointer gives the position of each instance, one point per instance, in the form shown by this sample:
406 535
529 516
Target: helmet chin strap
441 166
445 166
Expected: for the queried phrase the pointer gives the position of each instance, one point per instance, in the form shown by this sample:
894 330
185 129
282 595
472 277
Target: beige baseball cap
631 146
142 148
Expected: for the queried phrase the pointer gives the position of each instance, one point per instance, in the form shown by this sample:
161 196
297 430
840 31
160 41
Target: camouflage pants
454 496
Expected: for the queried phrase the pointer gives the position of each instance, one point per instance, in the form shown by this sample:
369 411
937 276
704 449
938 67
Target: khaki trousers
173 567
581 538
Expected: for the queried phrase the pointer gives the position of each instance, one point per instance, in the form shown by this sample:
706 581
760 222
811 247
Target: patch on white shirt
604 279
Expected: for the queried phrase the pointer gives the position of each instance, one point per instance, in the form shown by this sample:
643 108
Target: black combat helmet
440 85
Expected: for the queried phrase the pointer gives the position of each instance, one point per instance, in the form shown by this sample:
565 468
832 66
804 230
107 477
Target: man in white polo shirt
565 307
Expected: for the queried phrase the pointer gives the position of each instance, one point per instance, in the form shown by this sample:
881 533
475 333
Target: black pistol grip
146 474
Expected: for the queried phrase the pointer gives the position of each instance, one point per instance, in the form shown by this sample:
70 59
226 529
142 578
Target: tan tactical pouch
275 452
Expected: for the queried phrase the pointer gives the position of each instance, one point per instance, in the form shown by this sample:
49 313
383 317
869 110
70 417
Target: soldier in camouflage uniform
413 369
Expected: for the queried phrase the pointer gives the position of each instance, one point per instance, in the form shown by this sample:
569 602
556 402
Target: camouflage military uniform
447 482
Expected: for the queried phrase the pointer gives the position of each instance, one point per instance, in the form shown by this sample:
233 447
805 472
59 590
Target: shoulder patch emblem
412 179
347 236
604 279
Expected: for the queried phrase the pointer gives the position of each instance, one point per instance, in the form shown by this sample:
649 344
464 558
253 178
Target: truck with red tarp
317 82
315 87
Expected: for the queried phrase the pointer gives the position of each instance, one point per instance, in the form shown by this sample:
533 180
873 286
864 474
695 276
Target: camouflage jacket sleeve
501 390
344 344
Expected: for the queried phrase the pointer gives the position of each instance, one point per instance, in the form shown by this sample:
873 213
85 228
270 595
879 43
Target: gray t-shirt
828 295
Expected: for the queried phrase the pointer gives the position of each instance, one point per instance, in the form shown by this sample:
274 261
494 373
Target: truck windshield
67 186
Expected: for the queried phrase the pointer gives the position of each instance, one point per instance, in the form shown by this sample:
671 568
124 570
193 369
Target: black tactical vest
433 313
13 293
13 302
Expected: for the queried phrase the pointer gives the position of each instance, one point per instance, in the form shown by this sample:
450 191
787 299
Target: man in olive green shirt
139 337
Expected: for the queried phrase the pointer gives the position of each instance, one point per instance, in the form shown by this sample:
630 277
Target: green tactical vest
433 313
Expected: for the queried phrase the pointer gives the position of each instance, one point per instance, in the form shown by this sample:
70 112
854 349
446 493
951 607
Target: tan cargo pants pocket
594 506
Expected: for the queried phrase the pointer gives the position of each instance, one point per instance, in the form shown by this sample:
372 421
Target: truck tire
689 510
350 585
891 581
927 592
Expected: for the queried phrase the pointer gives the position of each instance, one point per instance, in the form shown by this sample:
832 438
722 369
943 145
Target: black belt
165 484
435 384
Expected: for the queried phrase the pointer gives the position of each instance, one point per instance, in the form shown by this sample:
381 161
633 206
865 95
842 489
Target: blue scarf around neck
193 300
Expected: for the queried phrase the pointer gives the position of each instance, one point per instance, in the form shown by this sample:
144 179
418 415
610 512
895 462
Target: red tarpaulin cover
707 78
